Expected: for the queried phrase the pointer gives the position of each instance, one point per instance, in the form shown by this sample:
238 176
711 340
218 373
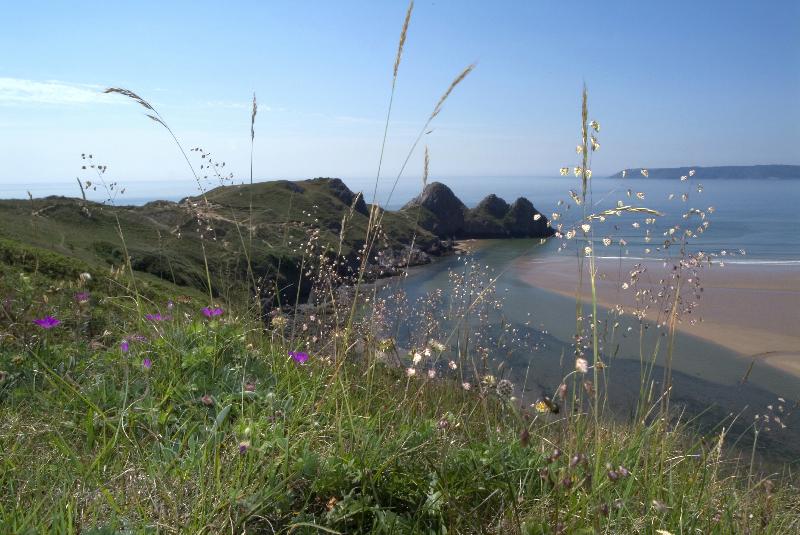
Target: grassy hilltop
166 239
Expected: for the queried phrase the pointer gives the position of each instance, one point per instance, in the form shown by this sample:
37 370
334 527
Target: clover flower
47 322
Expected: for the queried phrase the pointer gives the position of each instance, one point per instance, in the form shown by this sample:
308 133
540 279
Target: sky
671 83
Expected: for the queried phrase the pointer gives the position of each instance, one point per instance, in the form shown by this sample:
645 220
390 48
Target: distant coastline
771 171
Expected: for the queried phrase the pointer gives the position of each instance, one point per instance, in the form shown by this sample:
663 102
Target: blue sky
671 83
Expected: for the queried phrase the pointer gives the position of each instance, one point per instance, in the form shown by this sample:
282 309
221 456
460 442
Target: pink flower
47 322
211 312
299 356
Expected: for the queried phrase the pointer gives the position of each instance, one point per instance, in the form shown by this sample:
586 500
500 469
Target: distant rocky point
724 171
443 214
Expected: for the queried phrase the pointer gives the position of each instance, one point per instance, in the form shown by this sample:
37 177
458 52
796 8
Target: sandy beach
753 310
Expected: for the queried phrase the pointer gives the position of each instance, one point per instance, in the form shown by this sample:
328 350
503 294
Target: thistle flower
124 346
82 298
47 322
299 356
147 363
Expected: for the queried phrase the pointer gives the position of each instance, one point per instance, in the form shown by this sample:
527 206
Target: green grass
94 443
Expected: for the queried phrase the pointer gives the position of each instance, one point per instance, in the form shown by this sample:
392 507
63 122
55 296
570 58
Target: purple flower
47 322
124 346
147 364
299 356
82 297
156 317
244 446
211 312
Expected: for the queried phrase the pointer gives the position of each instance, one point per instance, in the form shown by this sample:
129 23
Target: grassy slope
92 440
163 239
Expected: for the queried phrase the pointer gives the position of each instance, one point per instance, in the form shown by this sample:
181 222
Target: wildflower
85 277
692 172
489 379
207 400
594 125
588 173
659 506
555 455
453 365
505 388
579 149
431 374
427 352
417 358
443 424
147 363
622 471
587 251
244 446
606 241
595 144
466 386
438 346
82 298
581 365
299 356
586 227
47 322
212 312
541 406
170 305
564 171
279 321
411 372
562 391
155 317
577 171
124 346
249 386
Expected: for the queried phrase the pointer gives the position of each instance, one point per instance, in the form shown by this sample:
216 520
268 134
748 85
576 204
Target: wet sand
753 310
